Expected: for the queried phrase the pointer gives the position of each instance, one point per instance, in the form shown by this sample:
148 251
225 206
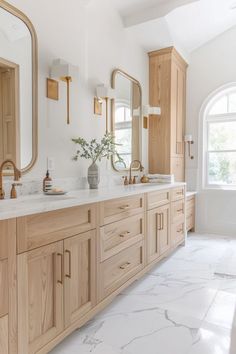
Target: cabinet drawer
177 233
118 209
4 335
41 229
3 287
156 199
121 234
116 270
177 211
177 193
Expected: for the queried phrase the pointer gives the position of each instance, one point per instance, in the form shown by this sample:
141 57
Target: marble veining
183 306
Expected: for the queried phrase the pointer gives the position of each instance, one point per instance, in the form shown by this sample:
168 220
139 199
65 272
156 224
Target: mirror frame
113 86
17 13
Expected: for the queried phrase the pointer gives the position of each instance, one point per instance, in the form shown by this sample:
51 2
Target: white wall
94 40
211 67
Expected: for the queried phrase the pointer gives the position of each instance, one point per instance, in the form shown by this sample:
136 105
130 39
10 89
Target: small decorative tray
55 193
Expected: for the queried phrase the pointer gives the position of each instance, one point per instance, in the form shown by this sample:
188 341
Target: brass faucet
17 175
141 168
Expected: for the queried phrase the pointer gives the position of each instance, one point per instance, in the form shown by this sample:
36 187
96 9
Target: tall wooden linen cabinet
167 89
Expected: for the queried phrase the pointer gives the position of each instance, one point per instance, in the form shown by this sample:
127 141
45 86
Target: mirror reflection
16 90
126 119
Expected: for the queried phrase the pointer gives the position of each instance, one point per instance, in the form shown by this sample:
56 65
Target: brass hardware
179 193
97 106
17 175
61 257
13 190
89 216
68 79
126 182
179 231
124 207
124 266
145 122
159 222
125 234
69 253
141 168
162 221
52 89
134 179
179 210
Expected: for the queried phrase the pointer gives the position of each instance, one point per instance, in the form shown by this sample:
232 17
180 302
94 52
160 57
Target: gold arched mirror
18 89
126 119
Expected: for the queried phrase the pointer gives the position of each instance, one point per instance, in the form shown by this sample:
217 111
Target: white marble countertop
39 203
190 194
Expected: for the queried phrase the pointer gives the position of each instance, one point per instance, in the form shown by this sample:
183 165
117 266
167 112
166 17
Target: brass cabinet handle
124 207
159 223
179 231
124 234
180 210
69 253
124 266
61 260
162 221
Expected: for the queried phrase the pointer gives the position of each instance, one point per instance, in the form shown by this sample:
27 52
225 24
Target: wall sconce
64 71
103 93
148 111
189 140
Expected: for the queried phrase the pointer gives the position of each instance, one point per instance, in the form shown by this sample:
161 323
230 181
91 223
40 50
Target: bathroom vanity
63 259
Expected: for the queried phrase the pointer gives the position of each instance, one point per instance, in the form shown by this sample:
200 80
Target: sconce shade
103 91
61 69
148 110
188 138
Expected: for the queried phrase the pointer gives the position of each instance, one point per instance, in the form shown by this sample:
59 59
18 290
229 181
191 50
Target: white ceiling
187 24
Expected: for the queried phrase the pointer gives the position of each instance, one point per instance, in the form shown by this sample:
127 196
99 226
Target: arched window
219 132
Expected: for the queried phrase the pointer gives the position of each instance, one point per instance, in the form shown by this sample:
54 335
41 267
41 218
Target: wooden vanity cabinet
56 281
40 297
8 306
190 213
59 269
167 90
79 276
158 234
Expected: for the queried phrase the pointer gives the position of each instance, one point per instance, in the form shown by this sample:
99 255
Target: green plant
94 150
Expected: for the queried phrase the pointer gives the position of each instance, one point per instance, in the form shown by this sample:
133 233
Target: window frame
215 118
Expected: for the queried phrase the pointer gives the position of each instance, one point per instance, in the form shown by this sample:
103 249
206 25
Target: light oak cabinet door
4 349
79 271
40 297
158 236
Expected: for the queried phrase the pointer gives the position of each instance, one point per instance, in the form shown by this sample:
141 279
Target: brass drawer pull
180 231
125 234
69 253
124 207
126 265
61 260
180 211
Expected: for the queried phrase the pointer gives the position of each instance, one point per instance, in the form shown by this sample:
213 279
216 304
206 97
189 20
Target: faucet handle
126 182
134 179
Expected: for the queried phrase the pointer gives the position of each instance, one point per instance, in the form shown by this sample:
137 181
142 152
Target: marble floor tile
183 306
211 340
222 310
